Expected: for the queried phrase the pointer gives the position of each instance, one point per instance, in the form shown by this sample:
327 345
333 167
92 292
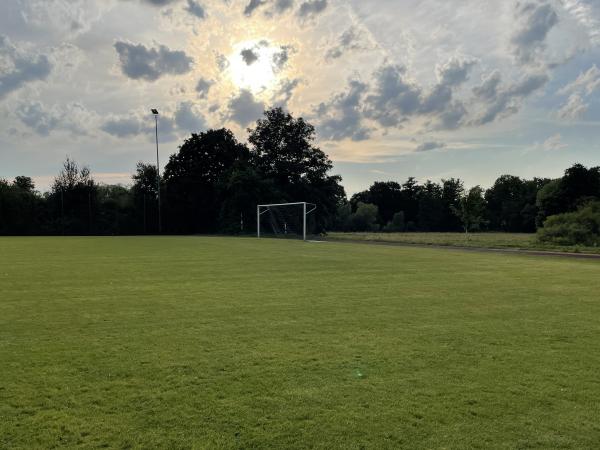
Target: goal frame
261 209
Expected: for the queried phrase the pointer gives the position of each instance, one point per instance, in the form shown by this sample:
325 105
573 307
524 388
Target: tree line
213 183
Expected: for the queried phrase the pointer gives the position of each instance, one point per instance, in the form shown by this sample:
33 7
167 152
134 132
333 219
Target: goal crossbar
261 209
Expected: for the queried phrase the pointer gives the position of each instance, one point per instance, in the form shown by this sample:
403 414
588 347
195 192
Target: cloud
187 119
430 145
312 8
244 108
284 92
282 56
586 83
195 9
171 126
203 87
73 118
282 6
349 40
141 63
122 127
18 68
534 20
574 108
252 6
553 143
341 117
393 96
499 102
249 55
583 12
455 71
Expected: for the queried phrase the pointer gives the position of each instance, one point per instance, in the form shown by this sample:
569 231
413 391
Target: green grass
191 342
521 241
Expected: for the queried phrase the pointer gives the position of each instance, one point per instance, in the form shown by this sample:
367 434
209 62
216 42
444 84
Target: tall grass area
193 342
522 241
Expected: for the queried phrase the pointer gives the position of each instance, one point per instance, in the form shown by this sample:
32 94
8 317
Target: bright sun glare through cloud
253 65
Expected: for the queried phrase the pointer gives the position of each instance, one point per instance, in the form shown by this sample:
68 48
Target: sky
395 88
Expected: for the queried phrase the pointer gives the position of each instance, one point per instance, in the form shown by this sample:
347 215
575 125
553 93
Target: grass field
193 342
521 241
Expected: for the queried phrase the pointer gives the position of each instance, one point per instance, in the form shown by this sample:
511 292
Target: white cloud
574 108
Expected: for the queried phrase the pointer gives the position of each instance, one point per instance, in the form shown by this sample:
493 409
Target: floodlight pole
155 112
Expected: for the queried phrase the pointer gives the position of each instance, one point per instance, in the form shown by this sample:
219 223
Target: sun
253 65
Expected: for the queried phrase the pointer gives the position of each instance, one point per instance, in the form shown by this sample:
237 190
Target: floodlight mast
155 113
304 214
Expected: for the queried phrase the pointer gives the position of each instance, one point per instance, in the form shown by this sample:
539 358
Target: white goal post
307 208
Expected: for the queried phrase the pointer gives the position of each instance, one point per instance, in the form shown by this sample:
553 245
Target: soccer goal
284 220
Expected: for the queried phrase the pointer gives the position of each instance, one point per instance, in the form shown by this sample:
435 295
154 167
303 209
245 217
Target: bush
581 227
397 223
365 218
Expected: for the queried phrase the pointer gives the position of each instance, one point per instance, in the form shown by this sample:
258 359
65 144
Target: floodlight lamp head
155 111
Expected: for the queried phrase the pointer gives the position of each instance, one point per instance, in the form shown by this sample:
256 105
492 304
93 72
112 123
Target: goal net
285 220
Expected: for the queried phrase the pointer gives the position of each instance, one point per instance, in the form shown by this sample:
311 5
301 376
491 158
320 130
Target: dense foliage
581 227
214 182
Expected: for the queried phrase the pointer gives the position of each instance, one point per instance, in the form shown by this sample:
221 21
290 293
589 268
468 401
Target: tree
577 186
192 178
145 197
283 151
387 196
396 224
471 209
452 190
24 183
511 204
365 218
73 200
430 214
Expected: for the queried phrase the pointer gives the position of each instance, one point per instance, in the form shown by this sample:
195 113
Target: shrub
581 227
365 217
396 224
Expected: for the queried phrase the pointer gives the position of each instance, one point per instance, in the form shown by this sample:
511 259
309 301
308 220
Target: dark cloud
455 71
170 126
203 86
188 120
488 89
500 101
349 40
535 19
249 55
73 118
281 57
196 9
38 118
282 6
122 127
393 97
19 68
244 108
253 6
430 145
312 8
341 117
141 63
284 92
